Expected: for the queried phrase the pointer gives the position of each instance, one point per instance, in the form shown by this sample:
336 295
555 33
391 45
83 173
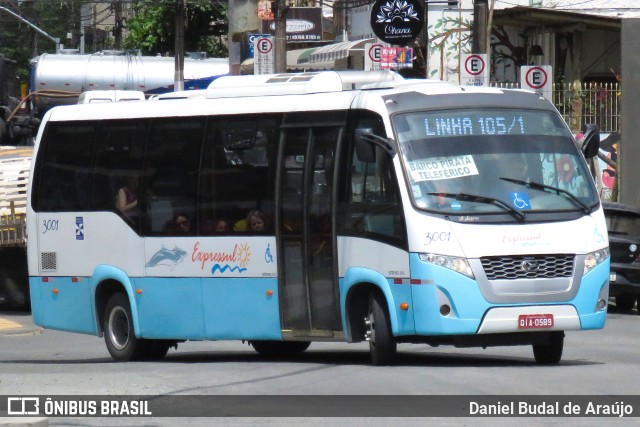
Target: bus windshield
493 161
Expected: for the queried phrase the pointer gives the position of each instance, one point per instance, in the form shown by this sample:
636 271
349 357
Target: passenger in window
127 198
218 226
255 220
182 224
221 225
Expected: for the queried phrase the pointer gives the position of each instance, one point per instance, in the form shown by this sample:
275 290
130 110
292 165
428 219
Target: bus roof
331 90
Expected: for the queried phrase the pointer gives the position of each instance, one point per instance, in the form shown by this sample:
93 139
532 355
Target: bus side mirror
366 141
591 141
365 150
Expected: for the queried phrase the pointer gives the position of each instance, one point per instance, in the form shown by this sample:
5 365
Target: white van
181 94
92 96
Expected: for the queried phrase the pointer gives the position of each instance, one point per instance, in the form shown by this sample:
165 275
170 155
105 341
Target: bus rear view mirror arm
365 141
591 140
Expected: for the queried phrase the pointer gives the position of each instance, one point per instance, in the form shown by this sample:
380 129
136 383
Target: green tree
152 28
18 41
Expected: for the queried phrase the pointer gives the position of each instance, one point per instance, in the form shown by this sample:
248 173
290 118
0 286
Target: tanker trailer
58 79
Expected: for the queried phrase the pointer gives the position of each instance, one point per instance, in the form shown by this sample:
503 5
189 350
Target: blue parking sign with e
250 39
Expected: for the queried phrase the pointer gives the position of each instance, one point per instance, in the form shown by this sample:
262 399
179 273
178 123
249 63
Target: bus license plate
612 276
535 321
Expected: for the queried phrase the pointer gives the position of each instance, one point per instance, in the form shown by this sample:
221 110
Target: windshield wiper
549 188
483 199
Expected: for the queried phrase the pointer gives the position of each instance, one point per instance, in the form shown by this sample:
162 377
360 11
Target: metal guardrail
13 229
14 178
579 103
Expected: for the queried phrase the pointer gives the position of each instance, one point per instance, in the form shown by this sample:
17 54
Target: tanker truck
58 79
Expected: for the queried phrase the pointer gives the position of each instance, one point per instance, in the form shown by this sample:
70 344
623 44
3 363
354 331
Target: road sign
263 55
474 70
251 42
538 79
372 56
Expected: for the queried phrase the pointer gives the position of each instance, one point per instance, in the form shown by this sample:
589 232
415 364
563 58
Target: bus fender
103 273
356 276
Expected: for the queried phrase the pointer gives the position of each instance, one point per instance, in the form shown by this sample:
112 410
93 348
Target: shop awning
334 51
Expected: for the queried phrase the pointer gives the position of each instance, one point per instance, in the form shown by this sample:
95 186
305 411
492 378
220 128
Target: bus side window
62 179
118 159
238 168
170 177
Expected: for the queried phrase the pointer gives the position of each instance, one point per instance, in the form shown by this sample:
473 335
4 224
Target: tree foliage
152 28
20 42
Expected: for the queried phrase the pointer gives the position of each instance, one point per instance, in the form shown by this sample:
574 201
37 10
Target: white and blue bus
395 211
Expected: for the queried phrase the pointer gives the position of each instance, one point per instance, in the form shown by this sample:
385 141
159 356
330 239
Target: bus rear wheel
550 353
121 341
382 344
280 348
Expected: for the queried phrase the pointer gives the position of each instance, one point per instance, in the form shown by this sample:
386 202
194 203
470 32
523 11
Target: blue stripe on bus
179 308
60 303
208 308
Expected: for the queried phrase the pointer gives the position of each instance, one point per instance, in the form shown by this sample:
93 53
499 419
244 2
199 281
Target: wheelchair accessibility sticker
520 200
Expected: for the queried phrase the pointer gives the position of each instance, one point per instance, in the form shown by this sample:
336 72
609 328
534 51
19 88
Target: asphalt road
595 364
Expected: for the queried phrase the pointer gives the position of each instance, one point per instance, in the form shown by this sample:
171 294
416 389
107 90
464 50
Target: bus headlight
457 264
594 258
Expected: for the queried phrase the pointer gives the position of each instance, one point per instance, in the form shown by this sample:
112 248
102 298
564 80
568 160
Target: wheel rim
371 330
119 328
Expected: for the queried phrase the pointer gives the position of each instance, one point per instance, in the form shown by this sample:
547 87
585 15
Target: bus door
306 235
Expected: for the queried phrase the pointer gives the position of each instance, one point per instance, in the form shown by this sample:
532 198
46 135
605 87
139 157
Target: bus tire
382 344
551 353
280 348
121 341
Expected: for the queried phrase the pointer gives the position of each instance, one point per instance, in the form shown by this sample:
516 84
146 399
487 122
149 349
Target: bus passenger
256 220
221 225
182 224
127 198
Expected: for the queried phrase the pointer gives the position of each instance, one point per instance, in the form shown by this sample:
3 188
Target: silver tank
150 74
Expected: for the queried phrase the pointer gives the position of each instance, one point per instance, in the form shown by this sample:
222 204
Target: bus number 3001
438 236
49 224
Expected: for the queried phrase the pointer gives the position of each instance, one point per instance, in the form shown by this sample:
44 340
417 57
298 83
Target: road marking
8 324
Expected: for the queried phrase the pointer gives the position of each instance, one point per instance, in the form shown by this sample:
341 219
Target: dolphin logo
167 257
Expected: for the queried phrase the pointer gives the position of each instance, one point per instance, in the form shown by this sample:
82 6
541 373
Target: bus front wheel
382 344
551 353
122 343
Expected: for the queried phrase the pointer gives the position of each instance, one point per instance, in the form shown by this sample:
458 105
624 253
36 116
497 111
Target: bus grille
528 266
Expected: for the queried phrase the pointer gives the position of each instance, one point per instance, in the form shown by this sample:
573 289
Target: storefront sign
397 22
304 24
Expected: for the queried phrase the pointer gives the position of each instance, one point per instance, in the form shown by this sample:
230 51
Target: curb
10 327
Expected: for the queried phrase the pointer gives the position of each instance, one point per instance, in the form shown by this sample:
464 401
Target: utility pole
178 80
117 29
479 39
280 54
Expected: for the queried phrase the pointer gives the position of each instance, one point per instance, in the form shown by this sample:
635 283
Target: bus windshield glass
493 161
